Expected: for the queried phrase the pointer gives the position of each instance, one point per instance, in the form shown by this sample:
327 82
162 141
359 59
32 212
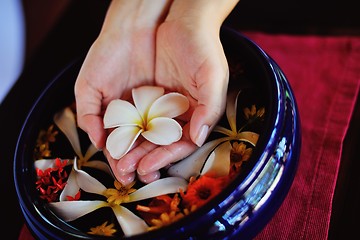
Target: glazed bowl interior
249 70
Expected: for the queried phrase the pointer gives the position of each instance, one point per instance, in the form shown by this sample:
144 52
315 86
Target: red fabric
324 73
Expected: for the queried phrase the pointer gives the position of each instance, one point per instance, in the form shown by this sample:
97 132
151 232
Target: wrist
134 15
201 12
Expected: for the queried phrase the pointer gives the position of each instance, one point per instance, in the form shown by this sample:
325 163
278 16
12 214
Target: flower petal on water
88 183
250 137
191 165
71 210
44 164
65 120
130 223
119 113
163 131
169 105
144 97
120 141
231 109
218 163
71 188
159 187
101 165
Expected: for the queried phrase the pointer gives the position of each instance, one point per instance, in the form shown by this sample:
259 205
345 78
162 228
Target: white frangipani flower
214 156
151 116
130 223
65 120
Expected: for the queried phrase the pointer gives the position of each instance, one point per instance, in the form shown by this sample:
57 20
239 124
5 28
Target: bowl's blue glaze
240 211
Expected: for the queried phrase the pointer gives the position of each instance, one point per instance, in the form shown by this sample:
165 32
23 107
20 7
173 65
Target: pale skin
174 44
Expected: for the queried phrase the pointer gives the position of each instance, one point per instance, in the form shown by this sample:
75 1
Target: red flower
52 181
202 190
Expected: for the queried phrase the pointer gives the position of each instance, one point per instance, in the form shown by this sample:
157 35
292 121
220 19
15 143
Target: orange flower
201 190
159 205
239 154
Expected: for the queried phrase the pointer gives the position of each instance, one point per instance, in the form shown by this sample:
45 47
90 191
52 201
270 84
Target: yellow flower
165 219
239 154
119 194
103 230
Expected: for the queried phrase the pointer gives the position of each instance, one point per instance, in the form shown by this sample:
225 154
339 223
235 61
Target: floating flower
103 230
201 191
65 121
130 223
214 157
43 141
154 212
239 154
51 181
151 116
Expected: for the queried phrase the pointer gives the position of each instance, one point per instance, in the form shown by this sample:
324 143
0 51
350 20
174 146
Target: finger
129 162
127 179
150 177
88 110
164 155
211 105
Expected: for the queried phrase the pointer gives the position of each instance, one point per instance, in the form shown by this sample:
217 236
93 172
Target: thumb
210 108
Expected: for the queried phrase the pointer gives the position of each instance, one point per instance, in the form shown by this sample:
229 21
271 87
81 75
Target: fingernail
202 135
93 142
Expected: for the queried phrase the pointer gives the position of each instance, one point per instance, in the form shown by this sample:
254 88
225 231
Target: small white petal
44 164
163 131
169 105
130 223
65 120
231 109
71 210
144 97
120 141
119 113
191 165
159 187
98 164
90 152
218 163
249 137
71 188
88 183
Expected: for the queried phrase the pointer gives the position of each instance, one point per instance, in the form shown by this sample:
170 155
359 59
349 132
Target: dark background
59 31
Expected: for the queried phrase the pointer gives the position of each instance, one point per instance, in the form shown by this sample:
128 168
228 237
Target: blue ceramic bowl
243 208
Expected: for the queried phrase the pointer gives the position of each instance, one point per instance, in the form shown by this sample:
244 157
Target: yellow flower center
119 194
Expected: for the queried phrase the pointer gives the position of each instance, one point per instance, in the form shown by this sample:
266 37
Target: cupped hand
182 57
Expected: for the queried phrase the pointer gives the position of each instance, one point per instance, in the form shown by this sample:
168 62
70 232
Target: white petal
231 109
129 222
163 131
120 141
90 152
159 187
44 164
191 165
101 165
71 188
144 97
65 120
119 113
71 210
249 137
169 105
88 183
218 163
